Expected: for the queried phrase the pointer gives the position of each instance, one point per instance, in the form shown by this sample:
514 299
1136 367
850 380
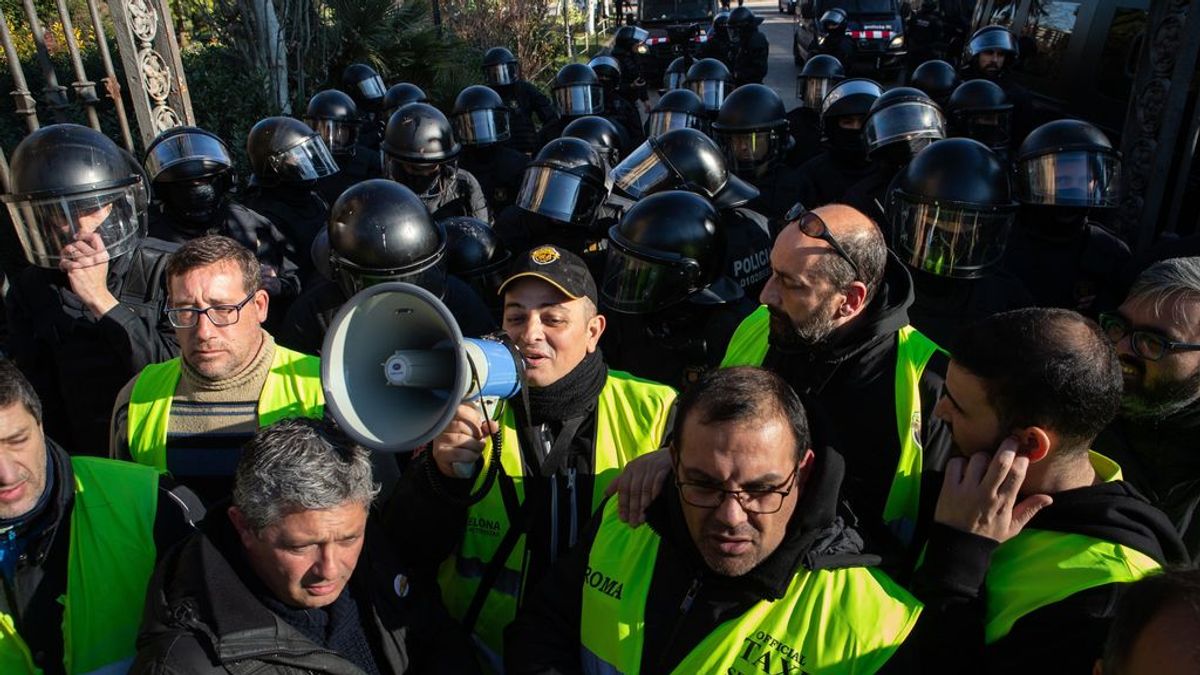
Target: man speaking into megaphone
563 441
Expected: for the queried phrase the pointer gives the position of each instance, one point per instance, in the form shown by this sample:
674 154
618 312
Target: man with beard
1157 434
991 53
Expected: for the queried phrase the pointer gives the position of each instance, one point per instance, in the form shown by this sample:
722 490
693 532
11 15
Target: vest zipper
574 508
685 606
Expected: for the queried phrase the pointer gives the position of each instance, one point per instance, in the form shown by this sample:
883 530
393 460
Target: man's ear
807 461
595 329
1034 443
245 532
855 302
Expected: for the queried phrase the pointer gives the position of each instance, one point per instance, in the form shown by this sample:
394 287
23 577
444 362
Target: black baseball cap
557 266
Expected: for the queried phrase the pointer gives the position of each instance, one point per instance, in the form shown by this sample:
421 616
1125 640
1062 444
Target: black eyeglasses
219 315
764 501
812 225
1146 344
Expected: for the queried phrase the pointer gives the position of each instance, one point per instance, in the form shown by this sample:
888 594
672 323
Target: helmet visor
339 136
579 100
635 285
88 228
812 90
993 128
904 122
372 88
948 240
560 196
1072 178
748 150
643 172
309 160
674 80
712 93
431 277
867 89
1000 40
185 156
662 121
481 127
500 74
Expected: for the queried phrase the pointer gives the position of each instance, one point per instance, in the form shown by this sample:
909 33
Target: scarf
573 395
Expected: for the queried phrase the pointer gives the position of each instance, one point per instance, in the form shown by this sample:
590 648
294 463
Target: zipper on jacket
685 606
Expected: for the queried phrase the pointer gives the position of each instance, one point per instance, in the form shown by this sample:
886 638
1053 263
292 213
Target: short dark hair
1140 603
15 388
210 250
1044 367
867 248
742 394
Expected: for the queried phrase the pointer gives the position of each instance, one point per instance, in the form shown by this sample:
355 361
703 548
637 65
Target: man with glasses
745 566
1155 437
191 415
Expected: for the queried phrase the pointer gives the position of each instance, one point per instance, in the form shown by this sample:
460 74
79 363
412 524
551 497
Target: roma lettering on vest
604 583
763 653
483 526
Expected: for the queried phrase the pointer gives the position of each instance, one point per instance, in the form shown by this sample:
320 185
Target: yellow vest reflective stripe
292 389
110 560
829 621
1037 568
748 347
631 419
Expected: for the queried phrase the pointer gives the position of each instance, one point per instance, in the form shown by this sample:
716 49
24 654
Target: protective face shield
481 127
372 88
637 284
420 178
501 74
196 202
662 121
50 229
960 241
340 137
430 275
906 121
558 195
993 128
674 80
712 93
579 100
1075 178
747 151
998 40
170 154
308 161
643 172
812 90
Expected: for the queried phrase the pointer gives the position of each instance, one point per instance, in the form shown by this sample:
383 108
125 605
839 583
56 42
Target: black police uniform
749 53
298 213
826 178
455 193
497 168
525 102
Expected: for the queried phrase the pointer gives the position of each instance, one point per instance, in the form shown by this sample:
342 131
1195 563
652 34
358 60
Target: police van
675 26
876 26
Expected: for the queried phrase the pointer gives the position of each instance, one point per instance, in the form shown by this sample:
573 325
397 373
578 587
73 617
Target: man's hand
979 495
85 261
639 484
462 442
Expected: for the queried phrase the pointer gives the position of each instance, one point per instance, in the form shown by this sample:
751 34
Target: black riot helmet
476 255
601 134
710 80
1068 164
608 70
667 248
675 74
380 231
981 110
993 38
191 170
819 75
752 128
843 113
576 91
480 117
68 181
833 21
364 85
418 133
901 123
333 115
627 38
936 78
500 67
682 159
285 150
742 22
401 94
676 109
720 23
951 209
564 182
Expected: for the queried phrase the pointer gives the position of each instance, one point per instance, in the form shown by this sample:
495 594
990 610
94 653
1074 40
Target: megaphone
395 366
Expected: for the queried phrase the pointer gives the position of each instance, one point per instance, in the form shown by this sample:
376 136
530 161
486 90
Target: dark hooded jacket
298 212
205 614
944 305
1073 269
824 179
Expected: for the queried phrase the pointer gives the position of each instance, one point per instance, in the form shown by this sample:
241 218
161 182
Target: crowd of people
869 386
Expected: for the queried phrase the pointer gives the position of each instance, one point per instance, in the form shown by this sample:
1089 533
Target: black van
877 27
670 23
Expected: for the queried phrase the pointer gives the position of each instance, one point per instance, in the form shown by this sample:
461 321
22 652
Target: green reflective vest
110 560
631 420
292 389
1037 568
748 347
830 622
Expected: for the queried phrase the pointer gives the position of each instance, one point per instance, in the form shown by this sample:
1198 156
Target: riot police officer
991 54
577 93
627 42
366 87
334 116
819 75
378 231
901 123
835 42
616 106
419 151
717 45
1066 172
87 314
481 125
477 256
749 48
711 81
401 94
685 159
675 73
936 78
192 174
824 179
287 159
926 34
980 109
676 109
671 311
950 212
502 72
751 130
601 134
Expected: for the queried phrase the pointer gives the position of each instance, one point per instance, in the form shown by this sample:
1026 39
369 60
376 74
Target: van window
1045 37
853 7
1118 63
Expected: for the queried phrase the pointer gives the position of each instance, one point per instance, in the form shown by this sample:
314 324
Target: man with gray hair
296 577
1156 437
